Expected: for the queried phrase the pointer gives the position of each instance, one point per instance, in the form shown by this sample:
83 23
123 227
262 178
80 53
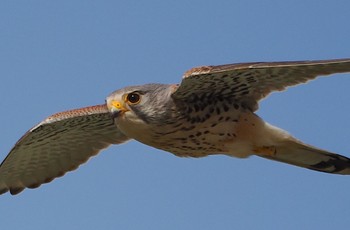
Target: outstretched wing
57 145
250 82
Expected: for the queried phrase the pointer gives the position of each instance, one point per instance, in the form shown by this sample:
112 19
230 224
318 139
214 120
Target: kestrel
210 112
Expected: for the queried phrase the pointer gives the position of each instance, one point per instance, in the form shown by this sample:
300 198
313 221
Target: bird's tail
307 156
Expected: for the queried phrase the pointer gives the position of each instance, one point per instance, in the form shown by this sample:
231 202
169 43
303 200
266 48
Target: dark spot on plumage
251 79
29 143
218 111
238 87
236 79
197 119
227 118
236 106
226 108
180 138
214 124
244 106
188 128
208 143
206 131
246 74
196 107
198 134
244 93
220 98
48 136
177 125
162 133
203 107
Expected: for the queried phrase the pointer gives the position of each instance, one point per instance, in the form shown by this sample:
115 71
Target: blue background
59 55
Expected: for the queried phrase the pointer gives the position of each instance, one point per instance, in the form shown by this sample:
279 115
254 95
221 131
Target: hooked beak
117 108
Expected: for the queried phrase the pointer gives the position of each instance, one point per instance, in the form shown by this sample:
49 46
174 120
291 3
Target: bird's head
140 104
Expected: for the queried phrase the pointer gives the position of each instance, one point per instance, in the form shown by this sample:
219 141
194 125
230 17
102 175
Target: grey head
149 103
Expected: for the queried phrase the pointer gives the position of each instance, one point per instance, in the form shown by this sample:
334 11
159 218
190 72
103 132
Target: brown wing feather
251 82
57 145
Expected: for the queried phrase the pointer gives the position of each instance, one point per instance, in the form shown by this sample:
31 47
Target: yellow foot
266 151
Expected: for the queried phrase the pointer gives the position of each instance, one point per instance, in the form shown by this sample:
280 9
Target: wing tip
336 164
14 190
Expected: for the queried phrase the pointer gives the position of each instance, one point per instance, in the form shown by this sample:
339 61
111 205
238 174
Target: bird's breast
195 136
200 131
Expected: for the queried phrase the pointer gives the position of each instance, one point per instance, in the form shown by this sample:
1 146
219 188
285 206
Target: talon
268 151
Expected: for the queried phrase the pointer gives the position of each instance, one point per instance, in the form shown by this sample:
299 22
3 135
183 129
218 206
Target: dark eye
133 98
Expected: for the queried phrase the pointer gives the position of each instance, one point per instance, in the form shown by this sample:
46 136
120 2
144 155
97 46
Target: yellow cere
117 104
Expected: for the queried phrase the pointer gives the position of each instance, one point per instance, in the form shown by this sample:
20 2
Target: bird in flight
210 112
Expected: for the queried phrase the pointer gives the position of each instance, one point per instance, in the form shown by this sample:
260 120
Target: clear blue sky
58 55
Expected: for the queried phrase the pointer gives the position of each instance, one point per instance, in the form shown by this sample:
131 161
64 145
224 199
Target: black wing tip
336 164
13 191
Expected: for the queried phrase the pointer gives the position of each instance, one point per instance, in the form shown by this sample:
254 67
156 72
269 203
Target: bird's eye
133 98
